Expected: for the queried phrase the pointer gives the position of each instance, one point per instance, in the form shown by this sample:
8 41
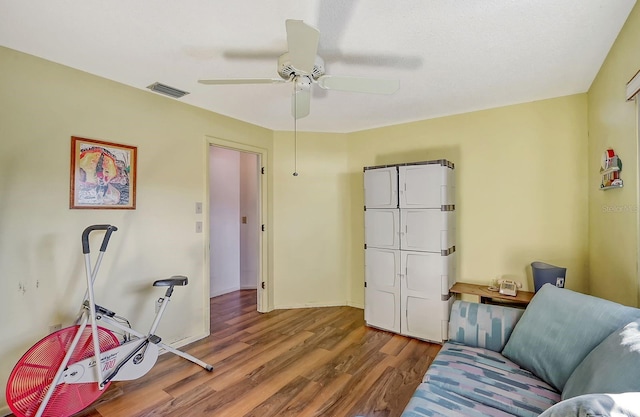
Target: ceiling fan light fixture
286 70
167 90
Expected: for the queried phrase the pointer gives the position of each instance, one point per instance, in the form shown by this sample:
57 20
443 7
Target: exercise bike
69 369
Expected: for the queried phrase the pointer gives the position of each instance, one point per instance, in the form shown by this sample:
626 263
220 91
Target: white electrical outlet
198 207
198 227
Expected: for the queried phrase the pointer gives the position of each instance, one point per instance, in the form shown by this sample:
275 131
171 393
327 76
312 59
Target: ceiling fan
303 67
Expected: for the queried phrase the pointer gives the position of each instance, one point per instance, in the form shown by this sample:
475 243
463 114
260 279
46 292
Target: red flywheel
34 373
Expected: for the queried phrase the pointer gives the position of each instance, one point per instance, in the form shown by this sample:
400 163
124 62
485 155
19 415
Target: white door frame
637 103
264 297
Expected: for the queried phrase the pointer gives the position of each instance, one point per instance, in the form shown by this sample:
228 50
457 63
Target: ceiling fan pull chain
295 156
295 137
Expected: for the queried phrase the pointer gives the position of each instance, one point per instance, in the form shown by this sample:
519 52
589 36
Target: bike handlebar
105 241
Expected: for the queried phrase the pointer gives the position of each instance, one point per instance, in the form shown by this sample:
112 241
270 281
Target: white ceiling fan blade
359 84
303 45
300 103
243 81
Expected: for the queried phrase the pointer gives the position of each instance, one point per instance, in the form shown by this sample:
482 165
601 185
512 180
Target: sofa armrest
482 325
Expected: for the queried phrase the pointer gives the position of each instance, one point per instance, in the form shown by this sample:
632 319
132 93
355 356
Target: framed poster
103 175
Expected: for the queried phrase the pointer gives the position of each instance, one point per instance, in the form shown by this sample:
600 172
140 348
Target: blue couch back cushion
612 367
558 330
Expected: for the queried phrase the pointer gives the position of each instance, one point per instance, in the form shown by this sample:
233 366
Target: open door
237 209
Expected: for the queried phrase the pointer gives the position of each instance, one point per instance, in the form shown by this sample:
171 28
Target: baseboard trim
223 292
314 305
309 305
248 287
186 341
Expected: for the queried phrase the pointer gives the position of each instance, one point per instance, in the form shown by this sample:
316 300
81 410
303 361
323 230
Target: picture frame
103 175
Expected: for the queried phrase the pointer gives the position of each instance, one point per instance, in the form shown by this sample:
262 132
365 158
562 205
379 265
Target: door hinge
264 228
365 284
262 170
263 285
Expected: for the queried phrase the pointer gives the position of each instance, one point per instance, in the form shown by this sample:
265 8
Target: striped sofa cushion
482 325
429 400
489 378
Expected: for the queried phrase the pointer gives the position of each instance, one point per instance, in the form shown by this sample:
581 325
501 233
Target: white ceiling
450 56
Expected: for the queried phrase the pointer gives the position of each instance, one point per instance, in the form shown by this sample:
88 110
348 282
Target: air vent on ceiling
166 90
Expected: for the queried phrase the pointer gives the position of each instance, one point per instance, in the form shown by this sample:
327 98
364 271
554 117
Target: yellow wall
311 220
613 213
521 186
41 106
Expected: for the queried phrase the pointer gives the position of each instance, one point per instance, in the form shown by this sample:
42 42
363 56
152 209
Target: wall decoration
103 175
610 167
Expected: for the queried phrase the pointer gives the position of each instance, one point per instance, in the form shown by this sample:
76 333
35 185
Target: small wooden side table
486 296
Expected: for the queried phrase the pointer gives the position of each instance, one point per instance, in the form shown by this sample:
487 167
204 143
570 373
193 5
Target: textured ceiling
450 56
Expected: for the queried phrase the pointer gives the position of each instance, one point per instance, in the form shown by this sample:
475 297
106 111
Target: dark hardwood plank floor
299 362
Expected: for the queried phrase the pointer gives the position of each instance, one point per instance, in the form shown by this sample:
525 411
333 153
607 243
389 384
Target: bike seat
170 282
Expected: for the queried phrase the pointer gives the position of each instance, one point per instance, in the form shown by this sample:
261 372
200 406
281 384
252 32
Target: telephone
508 287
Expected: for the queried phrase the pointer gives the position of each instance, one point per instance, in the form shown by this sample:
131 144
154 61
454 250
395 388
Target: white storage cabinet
410 248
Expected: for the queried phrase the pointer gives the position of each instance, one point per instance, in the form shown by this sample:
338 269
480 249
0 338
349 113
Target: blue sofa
567 354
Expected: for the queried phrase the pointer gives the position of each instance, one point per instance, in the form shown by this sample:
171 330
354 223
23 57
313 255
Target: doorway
637 102
234 221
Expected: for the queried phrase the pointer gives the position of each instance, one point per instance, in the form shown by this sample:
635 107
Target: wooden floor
300 362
